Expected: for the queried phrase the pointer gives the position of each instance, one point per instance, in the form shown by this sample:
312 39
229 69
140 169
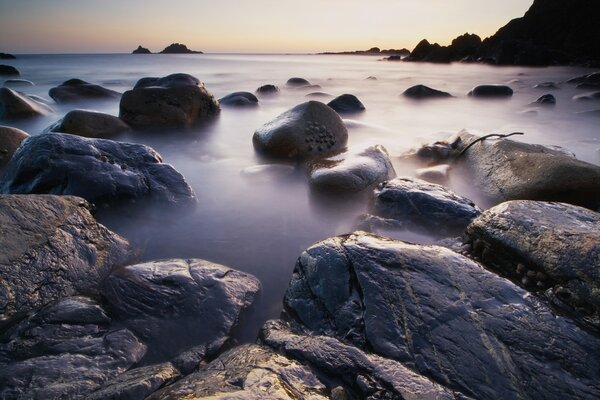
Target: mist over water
260 223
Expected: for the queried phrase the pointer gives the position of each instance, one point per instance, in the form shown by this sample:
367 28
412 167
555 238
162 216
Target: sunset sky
113 26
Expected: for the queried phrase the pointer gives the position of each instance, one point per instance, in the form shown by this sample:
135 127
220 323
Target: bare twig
498 135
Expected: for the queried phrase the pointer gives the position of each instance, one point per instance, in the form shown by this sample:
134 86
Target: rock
15 105
491 91
541 246
90 124
546 85
462 47
318 95
508 170
443 316
346 104
593 78
141 50
8 70
371 78
587 96
10 140
352 172
175 101
266 90
6 56
436 174
51 248
420 92
178 48
546 100
370 376
465 45
424 206
297 82
104 172
248 372
309 130
65 350
18 82
190 302
75 90
239 99
424 51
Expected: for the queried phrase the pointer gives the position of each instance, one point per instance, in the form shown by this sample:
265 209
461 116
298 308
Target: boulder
249 372
90 124
318 95
352 172
491 91
239 99
420 92
435 174
18 82
309 130
546 85
424 206
77 90
552 247
546 100
443 316
51 248
10 140
15 105
6 56
587 96
178 48
593 79
175 101
8 70
102 171
266 90
64 351
190 302
346 104
296 82
141 50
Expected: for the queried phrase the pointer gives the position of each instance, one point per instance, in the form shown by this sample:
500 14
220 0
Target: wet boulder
546 100
267 90
491 91
443 316
51 248
249 372
7 56
104 172
546 85
297 82
90 124
352 172
10 140
8 70
18 82
65 350
15 105
587 96
78 90
239 99
552 247
346 104
420 92
190 302
424 206
588 80
309 130
174 101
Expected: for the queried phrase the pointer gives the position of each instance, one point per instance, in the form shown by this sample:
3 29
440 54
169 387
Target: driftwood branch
480 139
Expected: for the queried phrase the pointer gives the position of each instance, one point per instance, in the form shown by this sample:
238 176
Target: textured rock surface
190 302
346 104
10 140
15 105
104 172
239 99
79 90
309 130
64 351
174 101
90 124
249 372
266 90
424 92
443 316
491 91
544 246
51 248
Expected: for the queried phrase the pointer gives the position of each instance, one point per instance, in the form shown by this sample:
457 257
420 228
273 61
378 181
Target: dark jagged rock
374 51
178 48
18 82
249 372
78 90
6 56
90 124
424 92
297 82
541 246
444 316
51 248
346 104
10 140
104 172
174 101
462 47
141 50
190 302
267 90
309 130
239 99
424 206
491 91
546 100
368 375
465 46
15 105
587 96
64 351
352 172
588 81
8 70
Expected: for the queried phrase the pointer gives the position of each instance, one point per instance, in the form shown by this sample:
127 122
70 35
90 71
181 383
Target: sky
246 26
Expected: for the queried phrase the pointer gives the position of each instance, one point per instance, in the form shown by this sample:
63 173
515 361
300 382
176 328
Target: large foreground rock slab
15 105
64 351
79 90
91 124
444 316
541 246
10 140
178 304
104 172
51 248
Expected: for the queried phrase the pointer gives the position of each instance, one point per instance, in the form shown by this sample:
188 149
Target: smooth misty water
261 225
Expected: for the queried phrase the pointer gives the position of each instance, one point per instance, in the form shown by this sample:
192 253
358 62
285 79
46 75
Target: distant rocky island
374 51
173 48
141 50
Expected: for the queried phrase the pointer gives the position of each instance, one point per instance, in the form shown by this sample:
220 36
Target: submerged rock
102 171
297 82
435 174
91 124
78 90
444 316
546 100
10 140
7 56
266 90
424 92
51 248
15 105
546 85
18 82
309 130
8 70
346 104
591 80
239 99
175 101
491 91
587 96
190 302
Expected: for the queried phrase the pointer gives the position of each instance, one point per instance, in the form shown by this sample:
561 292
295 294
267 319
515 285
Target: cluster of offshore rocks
173 48
506 306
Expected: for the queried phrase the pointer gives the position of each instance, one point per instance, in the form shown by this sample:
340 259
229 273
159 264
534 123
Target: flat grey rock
74 90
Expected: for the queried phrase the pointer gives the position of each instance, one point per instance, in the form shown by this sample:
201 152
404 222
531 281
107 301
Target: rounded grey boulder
491 91
420 92
91 124
10 140
267 90
239 99
15 105
297 82
79 90
346 104
8 70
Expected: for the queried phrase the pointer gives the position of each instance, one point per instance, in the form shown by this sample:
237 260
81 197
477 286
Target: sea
261 222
